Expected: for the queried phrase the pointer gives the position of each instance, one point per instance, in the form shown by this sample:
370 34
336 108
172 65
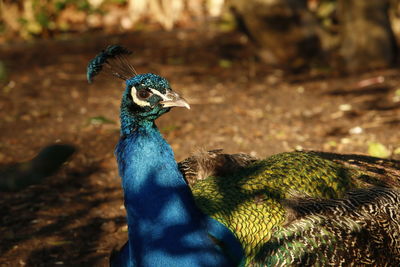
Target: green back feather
251 203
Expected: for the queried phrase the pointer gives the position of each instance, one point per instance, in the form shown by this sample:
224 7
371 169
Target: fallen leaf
376 149
100 120
224 63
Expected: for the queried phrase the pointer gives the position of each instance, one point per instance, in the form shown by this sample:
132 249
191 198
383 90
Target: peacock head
146 97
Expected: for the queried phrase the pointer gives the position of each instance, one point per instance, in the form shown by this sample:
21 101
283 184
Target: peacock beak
172 99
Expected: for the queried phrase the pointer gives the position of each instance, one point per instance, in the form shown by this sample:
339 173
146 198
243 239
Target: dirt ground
76 217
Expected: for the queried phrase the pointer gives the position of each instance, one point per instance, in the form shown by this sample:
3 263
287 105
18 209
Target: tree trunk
284 30
367 38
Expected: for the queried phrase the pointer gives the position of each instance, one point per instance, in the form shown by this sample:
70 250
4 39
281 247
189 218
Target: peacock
301 208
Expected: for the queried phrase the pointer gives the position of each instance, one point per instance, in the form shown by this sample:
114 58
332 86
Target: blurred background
262 77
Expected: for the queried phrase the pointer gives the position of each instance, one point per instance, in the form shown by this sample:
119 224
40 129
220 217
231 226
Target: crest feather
115 59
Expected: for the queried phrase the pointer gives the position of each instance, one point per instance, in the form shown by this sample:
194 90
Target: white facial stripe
138 101
164 97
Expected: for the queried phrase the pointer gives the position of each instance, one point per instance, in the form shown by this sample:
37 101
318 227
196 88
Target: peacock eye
143 94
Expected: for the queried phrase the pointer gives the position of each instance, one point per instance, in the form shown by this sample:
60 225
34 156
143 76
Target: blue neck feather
165 226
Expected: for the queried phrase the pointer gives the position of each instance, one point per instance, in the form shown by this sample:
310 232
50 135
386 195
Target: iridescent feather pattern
305 208
361 229
114 57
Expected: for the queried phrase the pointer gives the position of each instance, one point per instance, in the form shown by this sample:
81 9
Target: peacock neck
164 223
133 117
130 123
147 165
